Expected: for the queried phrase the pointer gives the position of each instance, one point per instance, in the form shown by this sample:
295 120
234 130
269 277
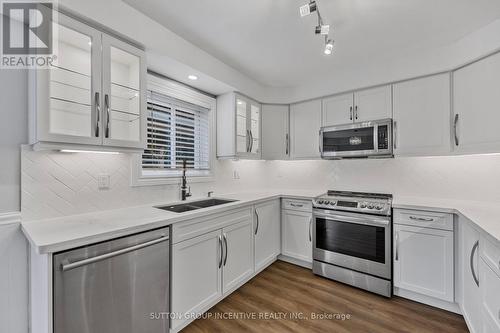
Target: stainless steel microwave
357 140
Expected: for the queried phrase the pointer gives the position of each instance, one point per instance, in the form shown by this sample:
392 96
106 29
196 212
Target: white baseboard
438 303
295 261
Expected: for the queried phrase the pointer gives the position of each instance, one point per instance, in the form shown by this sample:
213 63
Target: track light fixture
321 28
308 9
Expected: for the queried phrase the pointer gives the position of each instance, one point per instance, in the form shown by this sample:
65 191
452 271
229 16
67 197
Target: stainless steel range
352 240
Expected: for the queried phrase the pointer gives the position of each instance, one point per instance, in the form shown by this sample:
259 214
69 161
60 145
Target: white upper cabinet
275 134
338 110
363 105
373 104
75 102
476 100
422 106
238 127
305 122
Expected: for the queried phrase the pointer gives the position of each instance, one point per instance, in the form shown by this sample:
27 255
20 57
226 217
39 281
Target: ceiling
269 42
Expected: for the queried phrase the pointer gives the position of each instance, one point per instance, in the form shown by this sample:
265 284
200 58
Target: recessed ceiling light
193 77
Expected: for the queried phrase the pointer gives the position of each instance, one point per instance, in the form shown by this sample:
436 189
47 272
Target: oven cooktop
370 203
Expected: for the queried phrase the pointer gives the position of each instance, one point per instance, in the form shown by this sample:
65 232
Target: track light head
329 47
308 8
322 29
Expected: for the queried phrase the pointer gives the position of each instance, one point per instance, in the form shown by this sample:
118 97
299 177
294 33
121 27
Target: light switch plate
103 182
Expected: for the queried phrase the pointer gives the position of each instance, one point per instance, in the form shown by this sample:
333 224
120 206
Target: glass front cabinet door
248 122
93 95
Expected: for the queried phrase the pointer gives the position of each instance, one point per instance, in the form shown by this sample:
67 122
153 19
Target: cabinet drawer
301 205
490 289
201 225
490 254
443 221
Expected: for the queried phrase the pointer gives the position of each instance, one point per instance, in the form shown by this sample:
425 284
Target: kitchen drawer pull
473 271
425 219
356 112
97 114
310 229
296 205
350 113
68 266
257 224
225 246
397 247
221 250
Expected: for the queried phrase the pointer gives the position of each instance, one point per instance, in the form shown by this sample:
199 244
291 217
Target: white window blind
176 130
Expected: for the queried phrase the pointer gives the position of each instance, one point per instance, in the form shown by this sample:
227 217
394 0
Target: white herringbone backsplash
58 184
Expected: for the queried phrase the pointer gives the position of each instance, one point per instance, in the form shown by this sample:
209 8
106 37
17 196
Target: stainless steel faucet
185 190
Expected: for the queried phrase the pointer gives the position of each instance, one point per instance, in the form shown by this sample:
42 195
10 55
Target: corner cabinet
93 97
305 122
238 127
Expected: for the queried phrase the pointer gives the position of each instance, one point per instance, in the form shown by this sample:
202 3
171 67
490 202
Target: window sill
172 180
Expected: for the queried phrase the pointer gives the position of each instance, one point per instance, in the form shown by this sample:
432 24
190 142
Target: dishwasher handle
68 266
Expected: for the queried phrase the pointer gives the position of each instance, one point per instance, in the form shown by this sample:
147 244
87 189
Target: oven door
359 242
371 138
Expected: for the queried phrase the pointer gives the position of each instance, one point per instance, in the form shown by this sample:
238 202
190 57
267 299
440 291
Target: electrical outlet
103 182
236 174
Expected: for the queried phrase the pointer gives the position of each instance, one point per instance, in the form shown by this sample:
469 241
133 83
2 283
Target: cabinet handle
248 141
395 136
106 103
397 246
225 245
251 141
257 224
473 271
97 114
310 229
350 113
287 144
430 219
296 205
455 125
356 112
221 250
320 144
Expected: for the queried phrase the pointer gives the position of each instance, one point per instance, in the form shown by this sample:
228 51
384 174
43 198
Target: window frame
159 84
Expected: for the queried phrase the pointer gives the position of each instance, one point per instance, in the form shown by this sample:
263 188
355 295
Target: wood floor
290 296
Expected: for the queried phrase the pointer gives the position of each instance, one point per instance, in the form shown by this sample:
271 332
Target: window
178 130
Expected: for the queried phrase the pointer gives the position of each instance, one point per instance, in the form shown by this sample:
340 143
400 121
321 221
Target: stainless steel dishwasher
118 286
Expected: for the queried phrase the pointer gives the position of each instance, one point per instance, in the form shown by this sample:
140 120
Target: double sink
189 206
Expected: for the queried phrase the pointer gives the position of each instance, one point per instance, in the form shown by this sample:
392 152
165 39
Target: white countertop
63 233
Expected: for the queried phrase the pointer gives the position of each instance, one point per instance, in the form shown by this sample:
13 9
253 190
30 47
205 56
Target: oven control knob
379 207
362 205
370 206
332 203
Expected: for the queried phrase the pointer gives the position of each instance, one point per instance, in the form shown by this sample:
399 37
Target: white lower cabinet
196 276
471 295
296 241
423 261
267 233
490 292
237 265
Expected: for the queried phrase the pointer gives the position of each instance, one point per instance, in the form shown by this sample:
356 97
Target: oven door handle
353 219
